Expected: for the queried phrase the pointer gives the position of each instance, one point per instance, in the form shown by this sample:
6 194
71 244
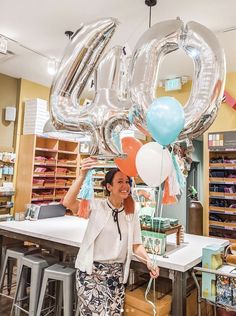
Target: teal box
211 259
153 242
209 286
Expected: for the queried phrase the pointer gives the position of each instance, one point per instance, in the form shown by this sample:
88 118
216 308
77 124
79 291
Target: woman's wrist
149 263
81 176
79 181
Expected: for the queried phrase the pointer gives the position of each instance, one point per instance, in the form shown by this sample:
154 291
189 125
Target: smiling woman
113 235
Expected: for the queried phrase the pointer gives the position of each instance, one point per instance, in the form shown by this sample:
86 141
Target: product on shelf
67 161
100 170
38 182
60 182
7 160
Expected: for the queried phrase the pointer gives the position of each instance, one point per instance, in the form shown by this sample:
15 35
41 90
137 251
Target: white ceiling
40 25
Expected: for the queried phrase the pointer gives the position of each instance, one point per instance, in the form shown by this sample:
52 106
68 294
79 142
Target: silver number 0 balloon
202 46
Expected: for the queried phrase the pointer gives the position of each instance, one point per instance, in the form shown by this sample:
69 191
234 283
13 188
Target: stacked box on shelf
35 117
211 259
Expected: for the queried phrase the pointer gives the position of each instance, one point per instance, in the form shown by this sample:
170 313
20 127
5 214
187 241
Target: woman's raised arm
70 200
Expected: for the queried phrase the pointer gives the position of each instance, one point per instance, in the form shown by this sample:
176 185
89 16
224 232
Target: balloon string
154 295
161 210
135 187
160 196
158 214
146 297
136 29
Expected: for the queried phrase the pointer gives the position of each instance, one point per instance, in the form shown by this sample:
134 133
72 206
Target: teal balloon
165 120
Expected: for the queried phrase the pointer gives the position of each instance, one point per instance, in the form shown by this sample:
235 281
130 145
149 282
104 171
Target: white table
66 234
66 230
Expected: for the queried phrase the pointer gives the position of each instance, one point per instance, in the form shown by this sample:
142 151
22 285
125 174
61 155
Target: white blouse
97 244
110 245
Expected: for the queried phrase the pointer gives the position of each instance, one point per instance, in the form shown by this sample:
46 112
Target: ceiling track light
52 67
229 29
52 62
3 45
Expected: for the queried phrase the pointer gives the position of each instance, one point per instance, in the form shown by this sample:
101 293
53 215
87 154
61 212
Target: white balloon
153 164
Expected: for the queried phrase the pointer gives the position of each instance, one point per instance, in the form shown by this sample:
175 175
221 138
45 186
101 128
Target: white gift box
35 117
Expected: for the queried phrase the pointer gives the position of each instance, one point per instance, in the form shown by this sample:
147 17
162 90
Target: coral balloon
130 146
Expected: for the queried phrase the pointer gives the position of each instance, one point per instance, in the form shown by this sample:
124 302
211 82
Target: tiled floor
5 306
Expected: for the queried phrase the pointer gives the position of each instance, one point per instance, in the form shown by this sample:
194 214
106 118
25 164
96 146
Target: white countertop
69 230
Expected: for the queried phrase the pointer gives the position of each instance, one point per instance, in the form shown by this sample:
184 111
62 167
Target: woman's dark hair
109 178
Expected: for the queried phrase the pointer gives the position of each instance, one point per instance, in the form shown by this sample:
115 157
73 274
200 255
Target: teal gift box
211 259
154 242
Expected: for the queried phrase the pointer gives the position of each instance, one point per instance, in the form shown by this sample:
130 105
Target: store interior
142 88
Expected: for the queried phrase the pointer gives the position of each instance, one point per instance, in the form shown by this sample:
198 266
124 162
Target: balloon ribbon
85 195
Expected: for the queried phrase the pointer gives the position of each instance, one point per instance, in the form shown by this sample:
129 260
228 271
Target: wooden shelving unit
222 192
7 162
46 169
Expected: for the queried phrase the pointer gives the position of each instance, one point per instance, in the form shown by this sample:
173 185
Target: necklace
115 213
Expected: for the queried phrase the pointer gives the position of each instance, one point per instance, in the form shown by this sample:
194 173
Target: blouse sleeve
93 205
137 239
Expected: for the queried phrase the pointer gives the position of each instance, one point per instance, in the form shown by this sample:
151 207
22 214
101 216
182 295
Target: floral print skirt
101 293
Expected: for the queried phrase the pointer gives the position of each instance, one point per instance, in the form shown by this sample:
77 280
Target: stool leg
68 297
42 294
59 297
35 284
3 272
51 292
20 288
18 267
77 310
3 256
9 275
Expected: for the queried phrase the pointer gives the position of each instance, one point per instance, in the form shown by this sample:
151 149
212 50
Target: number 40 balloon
107 114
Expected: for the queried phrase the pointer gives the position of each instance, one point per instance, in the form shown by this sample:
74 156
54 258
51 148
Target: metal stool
9 243
11 254
36 264
65 274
